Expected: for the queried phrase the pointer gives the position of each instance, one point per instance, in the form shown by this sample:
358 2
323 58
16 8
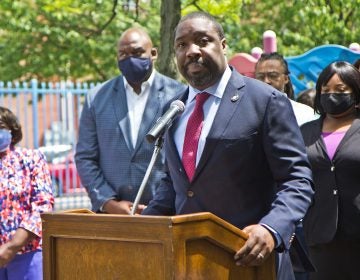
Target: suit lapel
230 101
354 128
320 144
119 102
151 111
172 152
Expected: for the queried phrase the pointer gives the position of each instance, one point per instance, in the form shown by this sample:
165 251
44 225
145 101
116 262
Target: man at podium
236 150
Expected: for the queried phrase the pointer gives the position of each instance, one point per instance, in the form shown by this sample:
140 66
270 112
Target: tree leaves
74 39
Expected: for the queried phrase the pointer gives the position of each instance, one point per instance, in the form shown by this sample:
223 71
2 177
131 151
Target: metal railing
49 114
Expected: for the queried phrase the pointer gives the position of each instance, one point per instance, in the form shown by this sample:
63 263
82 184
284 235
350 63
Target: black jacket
335 212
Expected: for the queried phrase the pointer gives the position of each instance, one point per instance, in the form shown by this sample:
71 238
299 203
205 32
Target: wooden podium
85 246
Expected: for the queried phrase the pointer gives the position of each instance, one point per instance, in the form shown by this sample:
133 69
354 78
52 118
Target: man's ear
287 79
154 53
224 46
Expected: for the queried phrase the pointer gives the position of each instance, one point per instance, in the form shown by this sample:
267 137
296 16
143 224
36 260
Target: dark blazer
108 164
253 169
336 207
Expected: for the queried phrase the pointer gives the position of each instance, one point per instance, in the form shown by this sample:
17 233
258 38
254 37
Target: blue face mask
5 139
135 69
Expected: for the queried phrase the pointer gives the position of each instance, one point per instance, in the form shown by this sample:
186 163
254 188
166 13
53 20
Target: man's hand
121 207
257 248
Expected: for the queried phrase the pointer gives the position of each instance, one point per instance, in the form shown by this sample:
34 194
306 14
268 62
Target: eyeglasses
271 75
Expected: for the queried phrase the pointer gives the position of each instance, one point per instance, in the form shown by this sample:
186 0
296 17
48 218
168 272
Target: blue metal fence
49 114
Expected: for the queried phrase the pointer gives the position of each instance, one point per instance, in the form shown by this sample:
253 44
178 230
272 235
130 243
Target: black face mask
336 103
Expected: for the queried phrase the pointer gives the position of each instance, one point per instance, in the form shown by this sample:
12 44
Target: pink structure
244 63
354 47
304 68
269 41
256 52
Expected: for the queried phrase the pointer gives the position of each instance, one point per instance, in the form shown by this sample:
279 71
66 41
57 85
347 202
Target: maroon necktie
192 135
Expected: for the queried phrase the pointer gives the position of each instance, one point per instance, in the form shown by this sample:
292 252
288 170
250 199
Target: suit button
190 193
292 238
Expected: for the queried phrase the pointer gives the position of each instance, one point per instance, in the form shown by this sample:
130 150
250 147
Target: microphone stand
158 145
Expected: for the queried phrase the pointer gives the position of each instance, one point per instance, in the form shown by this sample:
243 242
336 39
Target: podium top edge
77 214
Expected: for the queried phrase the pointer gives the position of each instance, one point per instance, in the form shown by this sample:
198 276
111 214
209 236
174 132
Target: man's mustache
196 62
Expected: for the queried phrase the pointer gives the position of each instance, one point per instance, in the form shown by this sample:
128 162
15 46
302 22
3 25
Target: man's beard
201 79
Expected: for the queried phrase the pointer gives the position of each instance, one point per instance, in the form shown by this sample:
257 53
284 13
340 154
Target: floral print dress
25 193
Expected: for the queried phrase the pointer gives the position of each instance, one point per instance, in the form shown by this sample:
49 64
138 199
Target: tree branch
99 31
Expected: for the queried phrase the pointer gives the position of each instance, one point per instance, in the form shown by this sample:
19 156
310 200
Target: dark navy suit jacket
253 169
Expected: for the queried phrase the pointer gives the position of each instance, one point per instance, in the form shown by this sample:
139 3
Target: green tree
70 39
170 16
299 25
50 39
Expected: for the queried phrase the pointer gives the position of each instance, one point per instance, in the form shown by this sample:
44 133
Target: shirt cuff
276 236
102 206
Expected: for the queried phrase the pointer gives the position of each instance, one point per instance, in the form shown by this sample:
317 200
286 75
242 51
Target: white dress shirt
210 109
136 105
303 113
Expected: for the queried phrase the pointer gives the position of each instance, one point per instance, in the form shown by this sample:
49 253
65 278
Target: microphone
165 121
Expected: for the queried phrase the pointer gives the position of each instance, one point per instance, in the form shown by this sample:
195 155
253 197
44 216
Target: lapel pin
235 98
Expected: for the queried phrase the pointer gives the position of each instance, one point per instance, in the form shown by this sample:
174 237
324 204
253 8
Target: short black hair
289 90
346 72
207 16
357 64
9 121
307 97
